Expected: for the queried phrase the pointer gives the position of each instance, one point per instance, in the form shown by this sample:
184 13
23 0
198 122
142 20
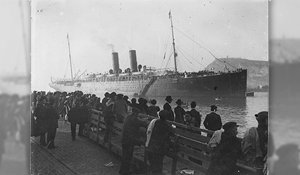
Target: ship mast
173 42
70 57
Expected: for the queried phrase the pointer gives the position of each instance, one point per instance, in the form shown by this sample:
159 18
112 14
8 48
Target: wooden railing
190 143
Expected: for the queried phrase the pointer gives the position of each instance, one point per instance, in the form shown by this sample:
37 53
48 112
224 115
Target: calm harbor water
240 111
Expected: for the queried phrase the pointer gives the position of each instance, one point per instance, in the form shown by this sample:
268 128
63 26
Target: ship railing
189 145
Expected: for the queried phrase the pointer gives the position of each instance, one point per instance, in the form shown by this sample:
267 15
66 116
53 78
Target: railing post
98 126
174 165
174 161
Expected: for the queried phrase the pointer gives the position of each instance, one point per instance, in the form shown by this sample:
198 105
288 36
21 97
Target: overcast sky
227 28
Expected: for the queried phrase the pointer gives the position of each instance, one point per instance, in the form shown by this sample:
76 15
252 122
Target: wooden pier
190 145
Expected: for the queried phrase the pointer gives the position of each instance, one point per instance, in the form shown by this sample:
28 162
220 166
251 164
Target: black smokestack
133 62
115 60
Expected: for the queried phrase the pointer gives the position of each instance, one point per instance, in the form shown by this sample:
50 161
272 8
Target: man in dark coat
52 117
168 107
40 114
179 112
153 109
227 152
78 115
130 137
159 142
196 116
213 120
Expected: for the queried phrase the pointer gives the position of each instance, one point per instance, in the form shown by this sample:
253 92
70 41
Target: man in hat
168 108
227 152
52 117
213 120
120 108
130 137
153 109
105 100
157 144
78 115
255 141
40 114
196 116
179 112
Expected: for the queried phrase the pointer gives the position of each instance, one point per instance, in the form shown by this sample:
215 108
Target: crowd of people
225 146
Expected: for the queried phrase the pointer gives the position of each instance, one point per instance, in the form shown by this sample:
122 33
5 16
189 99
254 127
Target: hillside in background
258 71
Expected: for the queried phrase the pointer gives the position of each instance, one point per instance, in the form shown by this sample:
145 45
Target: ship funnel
115 60
133 62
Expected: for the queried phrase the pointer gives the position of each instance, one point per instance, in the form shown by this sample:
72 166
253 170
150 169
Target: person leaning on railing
227 152
158 141
255 142
130 137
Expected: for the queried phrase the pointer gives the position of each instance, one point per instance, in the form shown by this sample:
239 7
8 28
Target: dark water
240 111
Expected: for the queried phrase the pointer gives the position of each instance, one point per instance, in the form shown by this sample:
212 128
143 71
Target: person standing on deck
78 115
130 137
120 108
157 144
213 120
40 114
168 107
109 116
143 105
153 109
133 103
105 100
52 121
179 112
196 116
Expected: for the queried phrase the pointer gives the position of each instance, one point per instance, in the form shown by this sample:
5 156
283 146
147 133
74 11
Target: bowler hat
230 125
213 107
168 98
153 101
179 102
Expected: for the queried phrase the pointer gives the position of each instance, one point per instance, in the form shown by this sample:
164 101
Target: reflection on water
241 111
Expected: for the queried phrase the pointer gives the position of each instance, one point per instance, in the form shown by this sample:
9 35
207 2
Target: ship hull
224 85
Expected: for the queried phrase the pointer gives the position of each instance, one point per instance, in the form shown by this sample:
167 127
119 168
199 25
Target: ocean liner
140 81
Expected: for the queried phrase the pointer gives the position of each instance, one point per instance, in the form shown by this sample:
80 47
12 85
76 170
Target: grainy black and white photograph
149 87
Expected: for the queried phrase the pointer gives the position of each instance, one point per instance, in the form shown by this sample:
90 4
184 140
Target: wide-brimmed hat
179 102
261 116
168 98
230 125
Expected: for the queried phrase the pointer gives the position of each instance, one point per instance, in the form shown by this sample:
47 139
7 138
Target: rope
194 59
203 47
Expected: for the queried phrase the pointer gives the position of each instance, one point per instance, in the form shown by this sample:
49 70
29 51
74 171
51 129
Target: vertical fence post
174 165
